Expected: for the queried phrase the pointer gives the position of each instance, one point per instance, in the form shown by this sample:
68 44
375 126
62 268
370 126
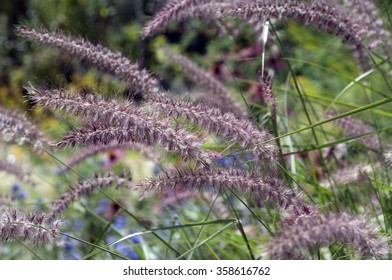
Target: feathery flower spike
371 27
211 118
270 189
91 151
350 174
119 121
267 93
17 171
325 229
17 128
221 95
6 203
352 127
325 16
112 62
179 10
388 156
225 125
85 187
36 227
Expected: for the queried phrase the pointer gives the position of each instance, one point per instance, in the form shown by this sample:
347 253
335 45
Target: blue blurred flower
21 195
17 193
15 188
69 250
129 252
226 161
157 169
135 239
78 225
120 222
123 248
103 205
235 160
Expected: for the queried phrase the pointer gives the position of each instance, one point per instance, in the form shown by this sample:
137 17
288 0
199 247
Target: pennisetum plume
353 127
6 202
325 16
364 15
350 174
96 55
85 187
388 156
123 122
266 92
319 13
17 171
226 125
36 227
179 10
240 131
311 232
91 151
371 27
15 127
221 96
269 189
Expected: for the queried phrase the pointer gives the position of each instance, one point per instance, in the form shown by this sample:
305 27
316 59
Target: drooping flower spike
316 230
85 187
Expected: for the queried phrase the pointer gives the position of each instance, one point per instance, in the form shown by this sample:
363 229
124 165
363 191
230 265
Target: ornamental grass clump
211 118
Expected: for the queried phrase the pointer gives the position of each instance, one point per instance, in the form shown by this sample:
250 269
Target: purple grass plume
388 156
91 151
352 127
17 171
350 174
321 14
269 189
15 127
86 187
178 10
6 202
123 122
226 125
35 227
371 27
221 96
364 15
94 134
266 92
325 16
140 80
316 230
